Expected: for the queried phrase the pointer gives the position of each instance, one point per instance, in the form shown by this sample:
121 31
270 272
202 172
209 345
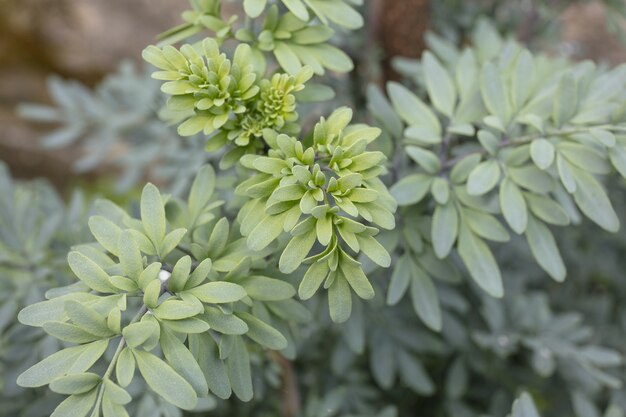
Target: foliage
122 113
139 289
485 143
36 231
544 130
535 21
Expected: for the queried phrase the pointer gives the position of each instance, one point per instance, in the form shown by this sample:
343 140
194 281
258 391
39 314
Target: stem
291 392
449 163
184 250
122 343
120 347
143 310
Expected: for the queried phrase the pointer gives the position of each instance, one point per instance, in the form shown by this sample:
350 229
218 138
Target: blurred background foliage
95 127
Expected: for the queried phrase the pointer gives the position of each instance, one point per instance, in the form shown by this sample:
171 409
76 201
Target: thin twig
291 392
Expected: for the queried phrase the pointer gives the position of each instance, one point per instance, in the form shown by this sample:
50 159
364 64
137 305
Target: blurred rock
79 39
585 35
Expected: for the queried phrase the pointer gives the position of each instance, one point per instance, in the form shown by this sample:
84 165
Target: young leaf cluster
293 36
327 193
212 93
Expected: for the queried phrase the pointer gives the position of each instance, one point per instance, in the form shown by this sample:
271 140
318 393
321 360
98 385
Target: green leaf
68 332
547 210
201 190
263 333
312 279
106 233
87 318
172 309
204 349
480 262
75 383
513 206
50 310
238 365
524 407
61 363
414 374
151 293
606 137
265 232
89 272
76 405
163 380
464 167
115 393
297 8
532 178
494 93
411 109
439 84
542 153
267 289
130 257
180 274
593 201
585 157
172 239
522 79
485 225
224 323
296 251
153 214
90 354
145 333
400 279
424 298
125 367
444 229
286 58
483 178
424 158
355 276
411 189
440 190
218 292
200 273
49 368
565 102
254 8
617 155
182 361
544 249
339 299
374 250
565 173
194 125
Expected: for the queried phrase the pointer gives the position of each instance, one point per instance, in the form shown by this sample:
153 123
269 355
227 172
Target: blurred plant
36 231
536 22
118 124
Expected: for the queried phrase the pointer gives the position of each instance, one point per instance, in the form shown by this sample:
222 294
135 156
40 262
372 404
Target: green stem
522 140
142 311
120 347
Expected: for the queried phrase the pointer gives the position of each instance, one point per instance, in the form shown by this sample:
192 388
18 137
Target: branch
450 163
291 391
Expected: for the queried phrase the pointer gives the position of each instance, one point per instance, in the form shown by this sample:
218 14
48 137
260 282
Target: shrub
190 296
